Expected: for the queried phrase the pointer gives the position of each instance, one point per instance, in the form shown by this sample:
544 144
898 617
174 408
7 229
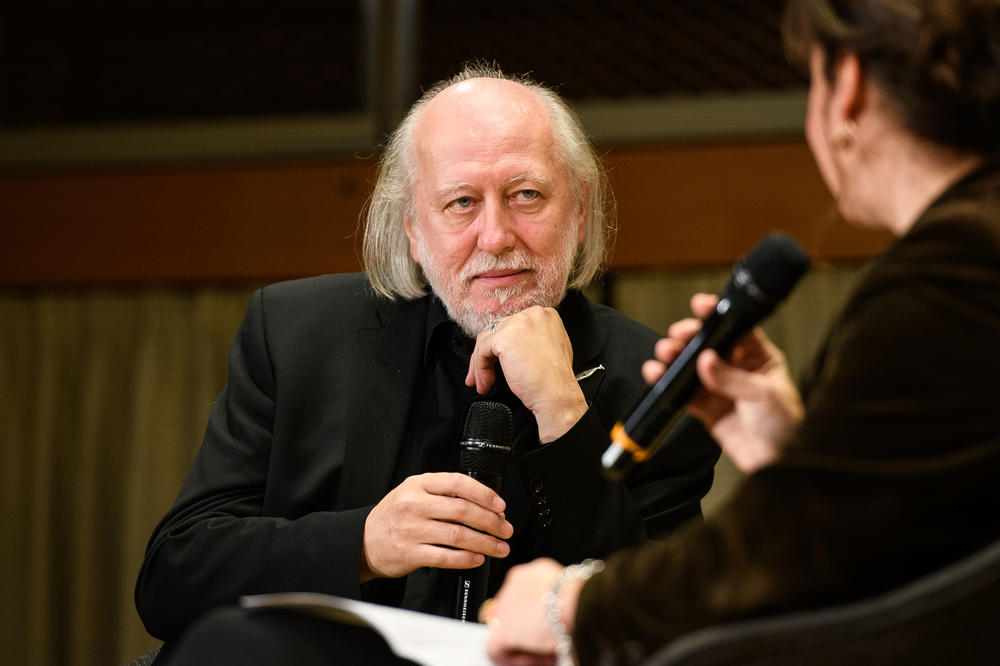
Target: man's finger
461 511
439 557
453 484
461 537
482 363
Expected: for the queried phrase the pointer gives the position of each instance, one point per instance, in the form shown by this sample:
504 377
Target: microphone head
769 272
486 438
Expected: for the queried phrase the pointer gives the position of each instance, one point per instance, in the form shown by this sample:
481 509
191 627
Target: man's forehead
486 92
488 129
477 106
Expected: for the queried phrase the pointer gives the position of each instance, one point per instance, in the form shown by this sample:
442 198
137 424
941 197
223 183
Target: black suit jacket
304 440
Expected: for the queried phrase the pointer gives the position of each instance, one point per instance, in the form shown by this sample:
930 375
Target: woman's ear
848 96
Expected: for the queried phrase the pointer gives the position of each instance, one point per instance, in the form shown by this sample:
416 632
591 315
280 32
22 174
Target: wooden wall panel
182 224
678 207
706 205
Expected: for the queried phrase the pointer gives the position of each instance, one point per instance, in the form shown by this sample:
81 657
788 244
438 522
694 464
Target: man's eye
462 202
528 195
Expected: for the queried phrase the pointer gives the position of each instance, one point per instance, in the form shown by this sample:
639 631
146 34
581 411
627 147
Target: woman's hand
520 633
749 403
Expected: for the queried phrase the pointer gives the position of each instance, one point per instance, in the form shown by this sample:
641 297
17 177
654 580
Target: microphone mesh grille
489 421
486 439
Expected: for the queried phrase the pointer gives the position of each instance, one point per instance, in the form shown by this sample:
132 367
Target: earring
845 135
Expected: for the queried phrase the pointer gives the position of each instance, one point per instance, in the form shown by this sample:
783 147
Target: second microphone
759 282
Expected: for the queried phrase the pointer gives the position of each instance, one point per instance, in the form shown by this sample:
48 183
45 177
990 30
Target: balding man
330 459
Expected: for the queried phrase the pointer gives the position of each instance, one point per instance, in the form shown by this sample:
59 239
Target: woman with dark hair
883 467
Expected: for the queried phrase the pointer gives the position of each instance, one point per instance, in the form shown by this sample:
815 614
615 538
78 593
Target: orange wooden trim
182 224
687 206
677 207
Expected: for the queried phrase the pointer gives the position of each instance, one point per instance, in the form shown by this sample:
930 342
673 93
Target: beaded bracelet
564 644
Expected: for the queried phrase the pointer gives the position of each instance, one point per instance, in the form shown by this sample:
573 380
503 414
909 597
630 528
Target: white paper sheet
426 639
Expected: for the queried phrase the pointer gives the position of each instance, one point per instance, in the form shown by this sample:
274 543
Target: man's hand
749 404
535 353
444 520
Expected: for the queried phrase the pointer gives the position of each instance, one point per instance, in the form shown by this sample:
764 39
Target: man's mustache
515 260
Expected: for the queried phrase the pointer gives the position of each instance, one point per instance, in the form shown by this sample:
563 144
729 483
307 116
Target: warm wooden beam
679 206
182 224
706 205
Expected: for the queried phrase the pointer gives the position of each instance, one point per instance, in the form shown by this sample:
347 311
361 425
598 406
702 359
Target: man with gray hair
329 462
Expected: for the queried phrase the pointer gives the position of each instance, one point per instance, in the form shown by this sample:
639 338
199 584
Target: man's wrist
555 421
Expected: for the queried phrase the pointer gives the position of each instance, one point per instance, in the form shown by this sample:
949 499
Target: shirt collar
440 329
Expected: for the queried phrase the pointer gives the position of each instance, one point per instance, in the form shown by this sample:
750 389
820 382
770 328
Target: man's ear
411 234
848 96
581 216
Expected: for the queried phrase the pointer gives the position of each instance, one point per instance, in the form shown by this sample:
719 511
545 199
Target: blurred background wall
159 160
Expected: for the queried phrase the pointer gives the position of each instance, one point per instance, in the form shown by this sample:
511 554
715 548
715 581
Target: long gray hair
390 268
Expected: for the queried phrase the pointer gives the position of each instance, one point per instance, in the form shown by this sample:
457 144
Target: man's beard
550 277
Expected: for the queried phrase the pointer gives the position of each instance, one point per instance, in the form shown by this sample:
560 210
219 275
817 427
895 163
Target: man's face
495 225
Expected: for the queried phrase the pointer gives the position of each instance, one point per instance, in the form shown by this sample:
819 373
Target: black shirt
435 424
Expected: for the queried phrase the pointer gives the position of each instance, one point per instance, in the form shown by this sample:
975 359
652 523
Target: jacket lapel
383 373
581 326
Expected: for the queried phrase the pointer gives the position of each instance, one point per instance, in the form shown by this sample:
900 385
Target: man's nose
497 227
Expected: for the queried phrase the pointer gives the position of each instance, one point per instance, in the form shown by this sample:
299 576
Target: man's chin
497 308
502 305
475 313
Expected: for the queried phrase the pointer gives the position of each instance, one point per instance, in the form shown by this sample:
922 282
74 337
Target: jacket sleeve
577 511
216 543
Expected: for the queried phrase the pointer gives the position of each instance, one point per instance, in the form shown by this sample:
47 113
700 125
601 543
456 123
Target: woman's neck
917 175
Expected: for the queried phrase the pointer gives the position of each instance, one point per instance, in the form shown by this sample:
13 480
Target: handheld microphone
759 282
483 454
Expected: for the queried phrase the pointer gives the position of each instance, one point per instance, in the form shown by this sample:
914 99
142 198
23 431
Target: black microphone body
760 281
484 451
